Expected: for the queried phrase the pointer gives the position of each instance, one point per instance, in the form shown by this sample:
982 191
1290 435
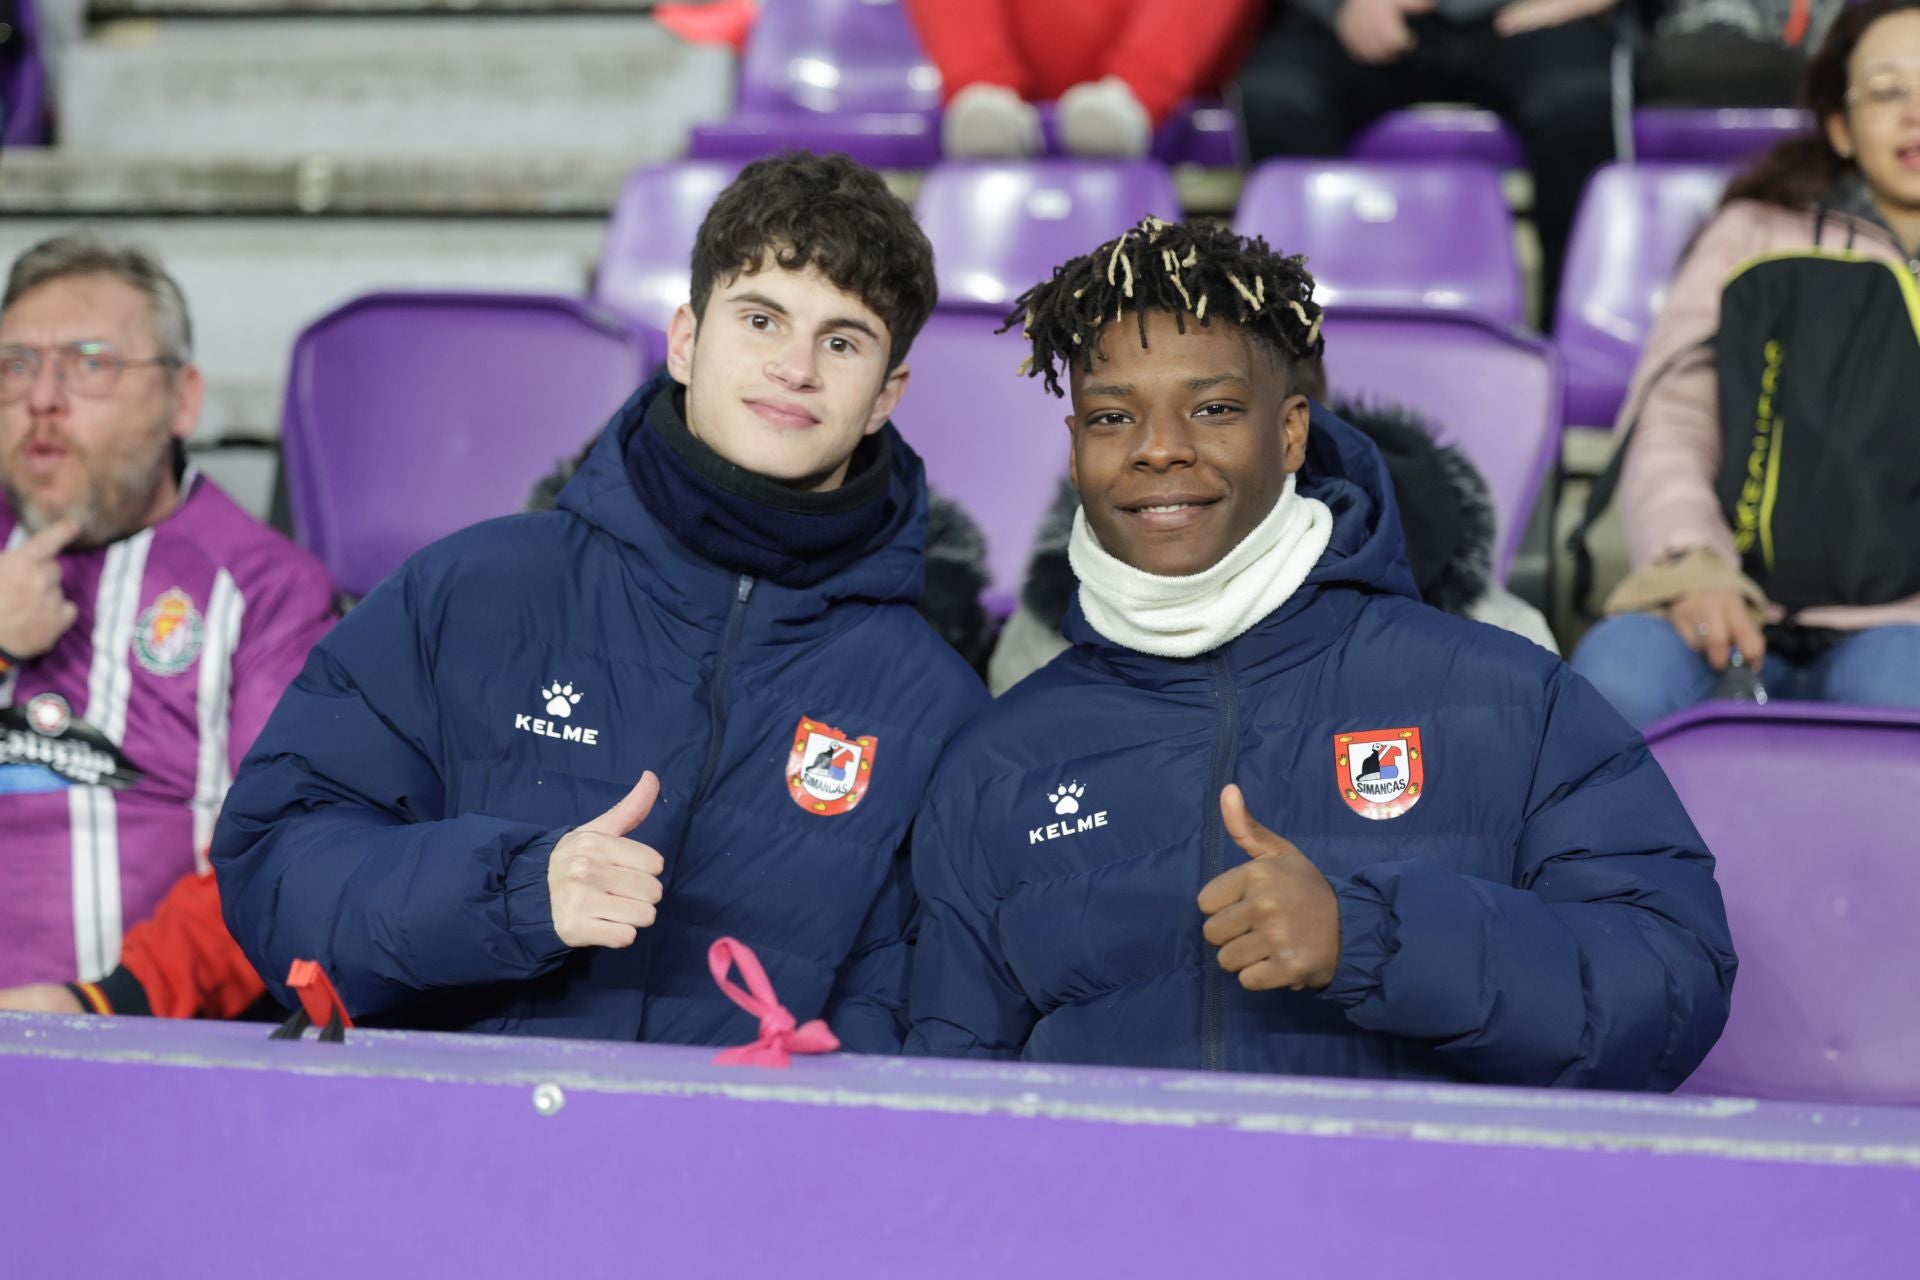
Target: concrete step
426 87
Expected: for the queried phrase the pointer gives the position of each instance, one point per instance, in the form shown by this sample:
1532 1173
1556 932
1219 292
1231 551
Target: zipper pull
743 590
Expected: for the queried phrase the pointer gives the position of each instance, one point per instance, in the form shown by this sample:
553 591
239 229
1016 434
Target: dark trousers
1304 95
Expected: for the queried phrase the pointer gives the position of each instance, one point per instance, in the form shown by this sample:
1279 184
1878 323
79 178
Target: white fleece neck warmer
1182 617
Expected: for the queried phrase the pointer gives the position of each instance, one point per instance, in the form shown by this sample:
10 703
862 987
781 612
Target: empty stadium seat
23 79
1405 234
1634 221
644 267
1810 810
999 228
1441 133
993 441
831 75
1487 388
411 415
1713 135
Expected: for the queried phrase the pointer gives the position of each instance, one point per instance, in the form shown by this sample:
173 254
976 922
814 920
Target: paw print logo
561 699
1066 798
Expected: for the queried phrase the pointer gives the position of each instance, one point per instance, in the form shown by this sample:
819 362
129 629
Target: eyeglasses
90 369
1888 91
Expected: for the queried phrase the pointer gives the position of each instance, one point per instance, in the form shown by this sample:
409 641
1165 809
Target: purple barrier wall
138 1147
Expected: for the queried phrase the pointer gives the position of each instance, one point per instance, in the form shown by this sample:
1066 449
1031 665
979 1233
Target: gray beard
114 506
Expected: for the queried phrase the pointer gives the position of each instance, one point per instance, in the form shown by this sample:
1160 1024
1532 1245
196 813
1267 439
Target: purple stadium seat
1811 811
1441 133
999 228
409 416
831 75
994 442
1634 221
1408 234
1712 135
23 93
1488 389
643 270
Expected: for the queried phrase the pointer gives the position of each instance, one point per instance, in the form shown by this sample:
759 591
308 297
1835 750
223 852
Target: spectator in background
147 624
1118 67
1325 69
1731 53
1688 608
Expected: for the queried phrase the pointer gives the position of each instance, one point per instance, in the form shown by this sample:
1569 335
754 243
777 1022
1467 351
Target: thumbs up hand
1275 917
603 887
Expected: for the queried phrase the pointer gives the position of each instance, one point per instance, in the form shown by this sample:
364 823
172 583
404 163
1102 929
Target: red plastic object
726 22
317 996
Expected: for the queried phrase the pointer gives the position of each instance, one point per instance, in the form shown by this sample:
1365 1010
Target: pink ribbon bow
779 1037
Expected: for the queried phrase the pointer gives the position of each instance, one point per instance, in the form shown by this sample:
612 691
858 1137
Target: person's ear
681 332
888 400
1840 134
189 393
1296 416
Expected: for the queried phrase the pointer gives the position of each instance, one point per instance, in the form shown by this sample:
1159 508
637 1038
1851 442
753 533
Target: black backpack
1818 356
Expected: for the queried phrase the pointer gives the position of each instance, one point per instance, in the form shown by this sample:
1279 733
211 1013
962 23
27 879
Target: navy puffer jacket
394 819
1522 898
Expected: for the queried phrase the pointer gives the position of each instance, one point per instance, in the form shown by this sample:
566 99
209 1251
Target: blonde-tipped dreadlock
1200 269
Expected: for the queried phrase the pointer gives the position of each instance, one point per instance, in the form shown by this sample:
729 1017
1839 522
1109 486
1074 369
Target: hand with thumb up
605 888
1275 917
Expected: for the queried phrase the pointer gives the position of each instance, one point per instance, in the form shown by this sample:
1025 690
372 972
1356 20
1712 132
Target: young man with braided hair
1421 847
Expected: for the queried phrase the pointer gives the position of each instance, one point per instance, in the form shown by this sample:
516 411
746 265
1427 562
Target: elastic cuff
88 994
529 905
125 994
1363 946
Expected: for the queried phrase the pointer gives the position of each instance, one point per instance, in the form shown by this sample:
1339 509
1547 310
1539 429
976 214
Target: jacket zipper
717 690
1213 1007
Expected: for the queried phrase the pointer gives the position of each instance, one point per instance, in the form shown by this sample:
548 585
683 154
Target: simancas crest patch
828 771
166 639
1381 773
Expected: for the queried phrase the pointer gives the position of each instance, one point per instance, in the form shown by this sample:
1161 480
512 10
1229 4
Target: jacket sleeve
1667 497
963 1001
867 1008
1606 964
335 845
181 962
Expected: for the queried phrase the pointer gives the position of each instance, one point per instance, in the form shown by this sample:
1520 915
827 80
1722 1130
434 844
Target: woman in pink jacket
1686 611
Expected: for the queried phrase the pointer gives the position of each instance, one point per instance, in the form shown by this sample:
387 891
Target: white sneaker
1103 118
990 120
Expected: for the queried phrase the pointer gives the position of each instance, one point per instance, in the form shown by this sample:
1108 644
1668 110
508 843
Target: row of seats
849 75
409 415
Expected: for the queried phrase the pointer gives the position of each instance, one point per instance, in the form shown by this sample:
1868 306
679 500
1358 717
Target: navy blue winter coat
394 819
1541 912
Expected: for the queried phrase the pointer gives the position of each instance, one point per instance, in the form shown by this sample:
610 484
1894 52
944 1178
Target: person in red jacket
1118 67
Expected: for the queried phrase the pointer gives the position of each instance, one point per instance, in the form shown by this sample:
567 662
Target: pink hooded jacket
1667 494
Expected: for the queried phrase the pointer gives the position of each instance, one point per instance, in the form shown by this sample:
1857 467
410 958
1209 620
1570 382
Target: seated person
1441 498
147 623
722 607
1730 53
1422 848
1118 67
1697 601
1323 70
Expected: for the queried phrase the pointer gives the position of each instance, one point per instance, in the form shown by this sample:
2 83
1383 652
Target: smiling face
1881 126
105 461
785 374
1182 447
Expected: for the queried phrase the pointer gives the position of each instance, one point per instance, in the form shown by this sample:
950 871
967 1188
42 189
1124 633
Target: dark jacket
1542 913
394 819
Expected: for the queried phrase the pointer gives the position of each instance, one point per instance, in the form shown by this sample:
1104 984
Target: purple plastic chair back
644 272
992 440
1414 235
831 75
999 228
1714 135
1490 390
410 416
1811 812
1634 221
1441 133
24 95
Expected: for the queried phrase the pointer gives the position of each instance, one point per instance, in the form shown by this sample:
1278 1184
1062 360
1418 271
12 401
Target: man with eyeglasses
147 627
